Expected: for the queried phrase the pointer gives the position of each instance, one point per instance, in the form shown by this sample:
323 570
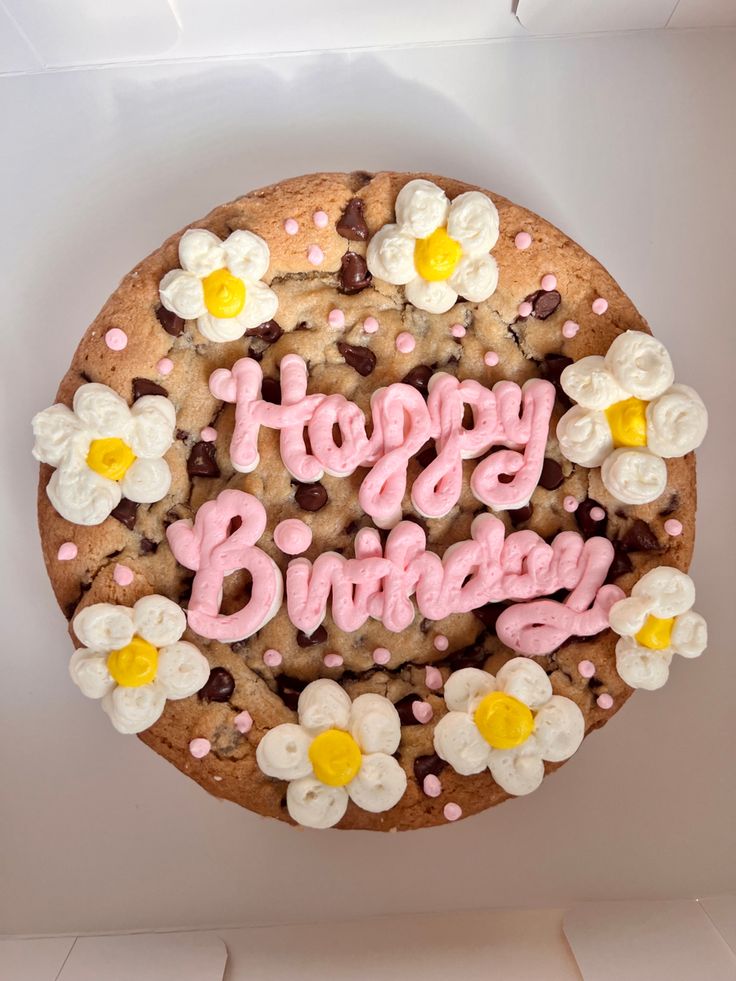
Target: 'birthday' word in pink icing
514 417
381 581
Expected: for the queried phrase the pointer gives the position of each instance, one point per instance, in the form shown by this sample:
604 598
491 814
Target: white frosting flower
438 249
340 750
510 724
219 283
656 622
104 450
133 659
629 416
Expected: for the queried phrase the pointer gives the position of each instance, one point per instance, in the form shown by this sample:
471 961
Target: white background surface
627 143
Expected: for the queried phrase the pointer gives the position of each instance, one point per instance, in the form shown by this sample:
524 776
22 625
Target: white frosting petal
465 688
473 222
390 256
146 481
103 411
182 293
518 771
283 752
628 616
584 436
421 207
134 709
475 278
154 418
589 382
526 680
247 255
640 364
315 805
379 785
81 495
201 252
690 634
641 667
559 727
458 742
261 304
104 627
88 671
221 331
670 591
182 670
436 297
375 724
54 428
158 620
634 476
324 705
676 422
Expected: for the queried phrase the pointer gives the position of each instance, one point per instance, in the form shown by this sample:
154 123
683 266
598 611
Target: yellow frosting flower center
628 422
335 757
224 294
135 664
110 457
504 721
437 255
656 633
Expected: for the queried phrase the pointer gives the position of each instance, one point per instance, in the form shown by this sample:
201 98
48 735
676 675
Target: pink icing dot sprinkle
199 748
381 655
441 643
432 786
673 527
291 226
491 359
600 305
604 701
208 435
586 669
570 504
433 678
525 308
523 240
597 514
320 219
457 330
332 660
336 318
452 811
405 342
292 536
243 722
422 711
570 328
116 339
315 255
370 325
165 366
549 282
122 575
67 552
272 658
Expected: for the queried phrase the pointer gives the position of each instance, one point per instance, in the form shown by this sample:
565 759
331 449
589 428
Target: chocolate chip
469 657
425 766
310 497
319 636
489 614
269 331
144 386
427 455
352 222
403 707
505 478
362 359
219 686
519 515
271 390
639 538
235 522
239 645
671 507
588 525
551 476
620 565
202 462
361 178
354 275
170 322
147 547
544 303
125 512
418 378
289 690
551 369
182 434
254 355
